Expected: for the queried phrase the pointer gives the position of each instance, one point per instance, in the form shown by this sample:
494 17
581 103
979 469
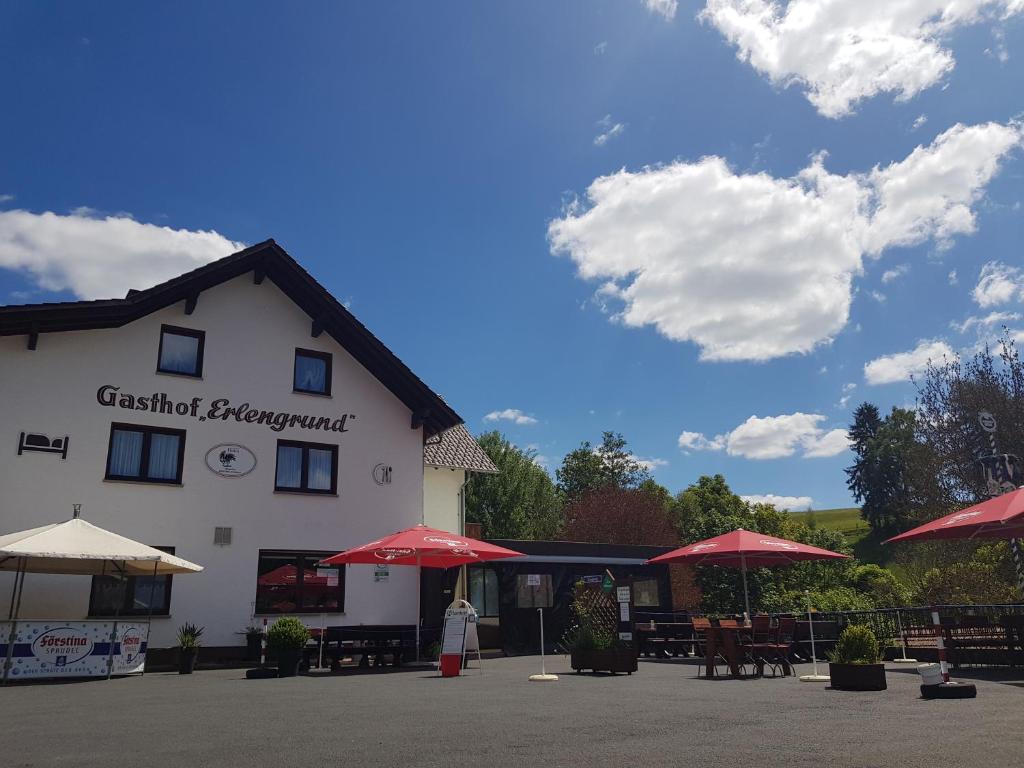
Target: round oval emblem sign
63 645
230 460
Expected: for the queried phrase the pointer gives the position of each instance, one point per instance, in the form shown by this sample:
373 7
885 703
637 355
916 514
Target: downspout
461 586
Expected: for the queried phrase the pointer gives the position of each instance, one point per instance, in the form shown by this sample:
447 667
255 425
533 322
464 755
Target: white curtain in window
310 373
163 456
125 453
320 469
289 466
179 354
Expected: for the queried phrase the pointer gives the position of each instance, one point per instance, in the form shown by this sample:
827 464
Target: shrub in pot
287 637
855 664
592 639
188 647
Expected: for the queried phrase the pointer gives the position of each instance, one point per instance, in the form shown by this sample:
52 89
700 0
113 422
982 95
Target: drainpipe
460 588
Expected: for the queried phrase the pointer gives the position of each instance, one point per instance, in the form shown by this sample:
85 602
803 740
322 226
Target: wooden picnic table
665 638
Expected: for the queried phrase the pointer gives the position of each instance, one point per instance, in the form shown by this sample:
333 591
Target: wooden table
664 638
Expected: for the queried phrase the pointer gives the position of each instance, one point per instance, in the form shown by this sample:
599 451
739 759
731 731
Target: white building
240 415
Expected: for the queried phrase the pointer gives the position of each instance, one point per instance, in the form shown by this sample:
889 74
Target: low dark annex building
507 593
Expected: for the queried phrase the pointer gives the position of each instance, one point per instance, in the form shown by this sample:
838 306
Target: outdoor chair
701 626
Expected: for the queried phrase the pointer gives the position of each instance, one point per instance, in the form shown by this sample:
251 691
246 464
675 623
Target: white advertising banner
73 648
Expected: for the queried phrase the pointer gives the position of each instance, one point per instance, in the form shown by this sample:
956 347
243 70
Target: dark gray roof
266 259
458 449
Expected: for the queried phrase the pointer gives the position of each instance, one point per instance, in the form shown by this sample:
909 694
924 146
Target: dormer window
312 372
181 351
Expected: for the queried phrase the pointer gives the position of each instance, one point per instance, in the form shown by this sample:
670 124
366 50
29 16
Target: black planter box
857 677
186 660
288 660
606 660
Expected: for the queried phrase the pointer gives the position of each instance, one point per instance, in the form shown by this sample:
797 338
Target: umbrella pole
746 594
815 678
19 577
419 600
149 615
113 630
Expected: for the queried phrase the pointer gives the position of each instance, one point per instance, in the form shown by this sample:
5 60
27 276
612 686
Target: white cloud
920 121
510 414
797 503
666 8
6 198
752 267
102 257
895 273
899 367
696 441
878 296
601 48
998 283
952 277
649 464
609 132
774 437
841 51
987 322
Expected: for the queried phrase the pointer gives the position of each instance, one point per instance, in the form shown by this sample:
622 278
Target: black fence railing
890 625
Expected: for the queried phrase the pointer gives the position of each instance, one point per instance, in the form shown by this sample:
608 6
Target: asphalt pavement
660 716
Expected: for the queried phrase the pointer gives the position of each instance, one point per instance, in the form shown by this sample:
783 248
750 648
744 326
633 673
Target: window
181 351
292 582
645 594
145 454
483 591
132 596
312 372
536 595
306 467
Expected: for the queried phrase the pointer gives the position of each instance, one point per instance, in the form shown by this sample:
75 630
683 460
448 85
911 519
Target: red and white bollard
263 644
940 644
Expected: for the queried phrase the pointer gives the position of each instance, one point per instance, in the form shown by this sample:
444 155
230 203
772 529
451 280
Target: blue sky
713 298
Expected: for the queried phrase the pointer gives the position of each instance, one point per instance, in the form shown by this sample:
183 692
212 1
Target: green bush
857 645
288 632
189 636
591 630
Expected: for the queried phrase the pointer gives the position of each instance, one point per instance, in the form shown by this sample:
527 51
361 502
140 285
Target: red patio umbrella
745 549
998 518
422 547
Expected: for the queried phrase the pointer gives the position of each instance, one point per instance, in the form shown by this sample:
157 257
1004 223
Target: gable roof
457 449
264 260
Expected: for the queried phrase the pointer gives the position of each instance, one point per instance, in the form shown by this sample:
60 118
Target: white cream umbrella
78 547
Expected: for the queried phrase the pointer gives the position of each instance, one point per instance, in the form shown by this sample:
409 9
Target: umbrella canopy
78 547
423 546
740 547
746 549
998 518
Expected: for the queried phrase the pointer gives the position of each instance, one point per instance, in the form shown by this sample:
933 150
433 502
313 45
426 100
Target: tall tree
881 477
520 502
609 465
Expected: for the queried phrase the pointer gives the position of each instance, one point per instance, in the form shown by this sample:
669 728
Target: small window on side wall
306 467
312 372
181 351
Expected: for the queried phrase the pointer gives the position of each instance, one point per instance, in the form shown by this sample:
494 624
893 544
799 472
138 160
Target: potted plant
856 663
253 642
287 637
188 647
592 640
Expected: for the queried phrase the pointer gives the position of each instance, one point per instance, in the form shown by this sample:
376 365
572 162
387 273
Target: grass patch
867 545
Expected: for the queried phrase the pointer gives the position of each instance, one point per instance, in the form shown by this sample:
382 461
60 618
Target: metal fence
888 624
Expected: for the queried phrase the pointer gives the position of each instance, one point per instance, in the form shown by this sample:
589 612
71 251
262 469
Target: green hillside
867 546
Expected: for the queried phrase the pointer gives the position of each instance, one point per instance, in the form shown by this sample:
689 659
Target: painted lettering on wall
220 409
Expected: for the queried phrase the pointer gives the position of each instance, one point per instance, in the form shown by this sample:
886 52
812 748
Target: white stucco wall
441 503
251 335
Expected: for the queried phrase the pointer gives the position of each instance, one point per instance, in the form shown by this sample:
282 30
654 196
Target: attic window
181 351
